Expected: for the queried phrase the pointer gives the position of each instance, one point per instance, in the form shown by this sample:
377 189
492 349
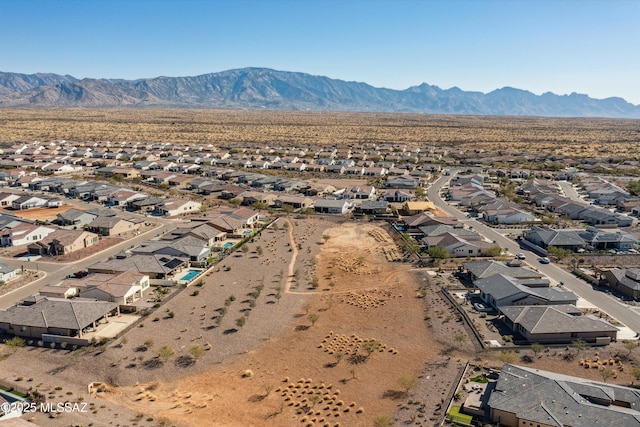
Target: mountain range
263 88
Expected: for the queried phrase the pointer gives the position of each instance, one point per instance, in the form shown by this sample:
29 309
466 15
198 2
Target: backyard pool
227 245
190 275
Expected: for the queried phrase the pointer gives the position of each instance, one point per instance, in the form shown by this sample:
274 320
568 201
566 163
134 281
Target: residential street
610 305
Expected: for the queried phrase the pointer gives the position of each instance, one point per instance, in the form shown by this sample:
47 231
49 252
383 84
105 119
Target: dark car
544 260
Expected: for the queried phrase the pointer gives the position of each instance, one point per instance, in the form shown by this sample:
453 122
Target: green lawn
455 415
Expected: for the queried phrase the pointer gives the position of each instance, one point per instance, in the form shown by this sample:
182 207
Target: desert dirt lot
578 137
44 214
292 331
308 289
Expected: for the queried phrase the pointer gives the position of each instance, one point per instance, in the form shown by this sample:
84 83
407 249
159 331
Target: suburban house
545 237
486 268
24 233
63 242
459 245
499 291
123 197
155 266
201 230
293 201
111 226
398 196
124 289
62 290
187 246
7 273
53 319
373 207
175 207
6 199
624 280
75 217
532 397
32 202
600 239
413 208
328 206
560 324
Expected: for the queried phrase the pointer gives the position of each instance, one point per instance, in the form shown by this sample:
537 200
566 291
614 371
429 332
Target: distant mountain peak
260 88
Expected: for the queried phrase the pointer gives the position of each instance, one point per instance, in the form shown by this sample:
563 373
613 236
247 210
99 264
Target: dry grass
557 135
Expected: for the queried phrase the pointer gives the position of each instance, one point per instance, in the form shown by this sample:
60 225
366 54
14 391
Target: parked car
544 260
520 255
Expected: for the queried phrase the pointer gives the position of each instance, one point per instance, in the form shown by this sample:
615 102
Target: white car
544 260
520 255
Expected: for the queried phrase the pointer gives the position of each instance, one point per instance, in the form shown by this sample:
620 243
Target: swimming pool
227 245
190 275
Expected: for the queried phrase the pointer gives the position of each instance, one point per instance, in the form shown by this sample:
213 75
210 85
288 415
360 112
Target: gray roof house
499 291
560 324
59 317
332 206
75 217
155 266
545 237
188 247
532 397
486 268
625 281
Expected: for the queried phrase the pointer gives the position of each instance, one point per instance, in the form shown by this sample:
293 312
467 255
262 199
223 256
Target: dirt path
292 263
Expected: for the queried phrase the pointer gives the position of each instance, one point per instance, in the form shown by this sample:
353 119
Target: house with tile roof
525 396
561 324
63 242
500 290
52 319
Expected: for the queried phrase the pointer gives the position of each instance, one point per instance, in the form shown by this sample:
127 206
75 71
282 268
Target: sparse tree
165 352
244 249
630 345
382 420
314 399
370 346
507 356
306 307
579 345
196 351
437 252
267 389
259 250
407 382
14 343
536 348
313 318
148 343
607 373
338 356
240 321
326 237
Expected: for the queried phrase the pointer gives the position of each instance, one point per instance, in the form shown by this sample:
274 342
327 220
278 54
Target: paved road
610 305
570 192
56 272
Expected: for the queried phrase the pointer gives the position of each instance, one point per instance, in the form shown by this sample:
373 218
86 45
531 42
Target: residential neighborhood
527 253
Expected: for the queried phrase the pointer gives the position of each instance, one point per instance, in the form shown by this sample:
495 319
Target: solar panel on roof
173 263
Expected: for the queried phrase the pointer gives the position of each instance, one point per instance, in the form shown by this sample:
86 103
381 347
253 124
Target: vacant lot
582 137
44 214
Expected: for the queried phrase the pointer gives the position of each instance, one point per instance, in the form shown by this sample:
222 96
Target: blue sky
590 47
